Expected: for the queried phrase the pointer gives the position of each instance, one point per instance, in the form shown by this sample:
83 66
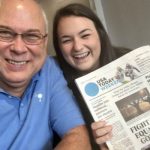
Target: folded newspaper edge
119 93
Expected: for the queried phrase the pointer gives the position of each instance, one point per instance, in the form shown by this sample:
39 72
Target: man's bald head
28 6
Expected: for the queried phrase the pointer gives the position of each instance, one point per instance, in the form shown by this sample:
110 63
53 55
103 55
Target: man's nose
18 45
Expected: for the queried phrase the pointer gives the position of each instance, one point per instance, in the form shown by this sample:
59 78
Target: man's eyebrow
5 27
33 30
29 30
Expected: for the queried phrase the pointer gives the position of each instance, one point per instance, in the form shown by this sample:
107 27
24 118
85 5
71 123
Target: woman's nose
78 45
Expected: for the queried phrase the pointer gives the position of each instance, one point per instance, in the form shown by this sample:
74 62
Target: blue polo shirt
47 105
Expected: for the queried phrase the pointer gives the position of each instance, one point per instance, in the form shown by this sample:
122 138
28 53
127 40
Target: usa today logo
91 89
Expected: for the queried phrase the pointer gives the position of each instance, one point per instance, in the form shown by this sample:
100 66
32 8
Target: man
34 98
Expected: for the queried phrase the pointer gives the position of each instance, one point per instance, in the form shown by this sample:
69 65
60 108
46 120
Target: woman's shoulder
120 51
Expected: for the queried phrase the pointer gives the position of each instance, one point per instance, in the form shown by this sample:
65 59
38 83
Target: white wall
127 21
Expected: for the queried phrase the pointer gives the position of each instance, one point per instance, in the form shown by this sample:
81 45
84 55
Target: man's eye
32 36
4 33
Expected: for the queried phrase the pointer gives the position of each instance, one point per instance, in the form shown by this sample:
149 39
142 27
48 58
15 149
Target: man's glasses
30 38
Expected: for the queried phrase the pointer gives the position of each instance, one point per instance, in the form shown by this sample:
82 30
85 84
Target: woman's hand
102 133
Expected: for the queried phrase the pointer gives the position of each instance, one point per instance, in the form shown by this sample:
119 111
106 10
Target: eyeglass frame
23 35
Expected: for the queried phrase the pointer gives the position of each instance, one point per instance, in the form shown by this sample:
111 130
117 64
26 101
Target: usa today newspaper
120 94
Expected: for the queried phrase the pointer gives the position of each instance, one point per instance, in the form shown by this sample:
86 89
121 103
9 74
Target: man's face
20 61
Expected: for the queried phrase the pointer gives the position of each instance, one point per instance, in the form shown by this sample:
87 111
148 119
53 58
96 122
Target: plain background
126 21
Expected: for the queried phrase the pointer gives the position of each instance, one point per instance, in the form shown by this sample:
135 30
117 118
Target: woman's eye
65 41
85 35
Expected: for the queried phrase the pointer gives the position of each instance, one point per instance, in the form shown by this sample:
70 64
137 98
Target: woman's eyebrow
87 29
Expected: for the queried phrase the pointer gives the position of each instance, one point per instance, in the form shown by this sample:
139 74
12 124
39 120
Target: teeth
81 55
16 62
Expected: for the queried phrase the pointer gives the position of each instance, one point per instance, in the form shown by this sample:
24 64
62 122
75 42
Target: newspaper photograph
119 93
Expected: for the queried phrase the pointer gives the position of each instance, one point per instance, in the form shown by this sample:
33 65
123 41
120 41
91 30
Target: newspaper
120 94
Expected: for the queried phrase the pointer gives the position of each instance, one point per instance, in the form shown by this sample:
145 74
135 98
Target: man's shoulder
51 61
51 67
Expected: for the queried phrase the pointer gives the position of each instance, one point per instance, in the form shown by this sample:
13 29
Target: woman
82 45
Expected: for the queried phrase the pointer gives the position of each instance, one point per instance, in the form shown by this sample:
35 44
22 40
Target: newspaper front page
120 94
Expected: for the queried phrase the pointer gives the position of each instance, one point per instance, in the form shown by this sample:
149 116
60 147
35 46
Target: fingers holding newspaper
102 133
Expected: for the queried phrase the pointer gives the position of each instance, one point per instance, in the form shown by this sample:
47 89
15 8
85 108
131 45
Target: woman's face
79 42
